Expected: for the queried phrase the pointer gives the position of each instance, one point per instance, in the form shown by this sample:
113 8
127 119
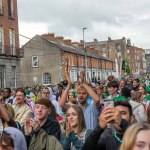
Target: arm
6 116
92 140
65 93
63 98
93 94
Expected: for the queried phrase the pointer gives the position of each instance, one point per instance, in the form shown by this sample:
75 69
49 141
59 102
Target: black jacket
106 142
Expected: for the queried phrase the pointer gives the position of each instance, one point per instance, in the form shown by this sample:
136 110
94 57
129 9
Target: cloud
102 18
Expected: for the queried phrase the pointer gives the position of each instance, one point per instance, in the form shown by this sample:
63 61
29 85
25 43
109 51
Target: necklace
117 138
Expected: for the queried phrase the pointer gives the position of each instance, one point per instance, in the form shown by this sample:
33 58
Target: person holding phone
120 117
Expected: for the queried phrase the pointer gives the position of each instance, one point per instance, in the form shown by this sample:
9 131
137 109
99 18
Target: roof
75 50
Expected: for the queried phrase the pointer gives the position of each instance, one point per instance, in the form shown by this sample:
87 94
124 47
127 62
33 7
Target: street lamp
85 56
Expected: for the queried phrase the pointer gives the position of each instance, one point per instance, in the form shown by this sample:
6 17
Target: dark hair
123 80
137 80
44 101
125 92
125 104
8 89
7 139
113 84
21 90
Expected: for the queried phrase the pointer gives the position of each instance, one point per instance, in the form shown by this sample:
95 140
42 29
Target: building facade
45 58
147 56
120 50
113 49
9 45
137 61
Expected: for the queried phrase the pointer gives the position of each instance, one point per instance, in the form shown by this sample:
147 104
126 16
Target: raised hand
27 127
82 76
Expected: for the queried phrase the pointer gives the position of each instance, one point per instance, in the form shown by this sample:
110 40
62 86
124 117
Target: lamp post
85 56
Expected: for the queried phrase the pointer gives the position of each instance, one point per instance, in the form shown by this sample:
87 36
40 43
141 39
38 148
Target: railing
10 50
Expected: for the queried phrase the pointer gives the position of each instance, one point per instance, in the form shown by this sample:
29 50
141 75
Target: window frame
46 81
37 58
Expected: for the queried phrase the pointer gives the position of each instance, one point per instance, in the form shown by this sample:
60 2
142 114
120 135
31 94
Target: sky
102 18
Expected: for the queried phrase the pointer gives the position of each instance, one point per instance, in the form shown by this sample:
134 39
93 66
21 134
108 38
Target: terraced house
45 57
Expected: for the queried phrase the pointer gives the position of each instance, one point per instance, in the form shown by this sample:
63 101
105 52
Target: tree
127 67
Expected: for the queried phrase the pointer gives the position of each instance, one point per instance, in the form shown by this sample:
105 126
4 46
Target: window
2 76
1 40
46 78
13 82
12 42
1 7
10 9
35 61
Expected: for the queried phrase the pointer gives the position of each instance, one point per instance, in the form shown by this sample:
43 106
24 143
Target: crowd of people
105 115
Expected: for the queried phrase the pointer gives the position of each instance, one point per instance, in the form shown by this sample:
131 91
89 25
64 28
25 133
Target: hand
35 124
82 76
27 127
68 128
103 119
114 117
67 74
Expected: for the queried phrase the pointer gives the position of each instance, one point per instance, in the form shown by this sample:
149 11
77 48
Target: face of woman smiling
142 141
72 117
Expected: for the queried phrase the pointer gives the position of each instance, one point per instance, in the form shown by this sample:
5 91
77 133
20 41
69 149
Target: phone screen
108 104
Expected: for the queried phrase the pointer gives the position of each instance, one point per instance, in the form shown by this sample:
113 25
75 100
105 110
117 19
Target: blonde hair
131 134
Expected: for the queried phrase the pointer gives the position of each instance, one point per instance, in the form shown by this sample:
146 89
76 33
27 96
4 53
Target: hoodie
18 138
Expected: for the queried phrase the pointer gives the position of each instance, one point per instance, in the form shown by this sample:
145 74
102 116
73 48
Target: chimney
49 35
67 42
109 38
95 41
129 42
59 38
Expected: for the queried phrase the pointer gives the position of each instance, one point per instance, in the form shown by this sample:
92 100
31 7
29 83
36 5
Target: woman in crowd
145 96
138 107
139 139
142 90
76 132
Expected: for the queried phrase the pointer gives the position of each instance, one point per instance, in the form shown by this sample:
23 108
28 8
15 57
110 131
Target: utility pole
85 56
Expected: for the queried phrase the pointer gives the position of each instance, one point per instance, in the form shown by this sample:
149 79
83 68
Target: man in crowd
46 93
37 129
91 111
119 117
21 108
135 86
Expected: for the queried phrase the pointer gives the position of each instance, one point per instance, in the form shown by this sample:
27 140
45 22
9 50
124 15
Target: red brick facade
9 20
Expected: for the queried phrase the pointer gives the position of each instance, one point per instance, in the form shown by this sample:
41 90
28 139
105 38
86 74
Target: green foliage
127 67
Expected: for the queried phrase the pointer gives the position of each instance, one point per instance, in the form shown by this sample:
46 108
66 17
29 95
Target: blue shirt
91 115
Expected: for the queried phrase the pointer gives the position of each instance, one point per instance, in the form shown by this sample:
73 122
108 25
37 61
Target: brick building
45 58
113 49
120 49
9 44
136 57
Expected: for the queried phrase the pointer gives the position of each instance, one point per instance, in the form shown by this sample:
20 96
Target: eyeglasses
45 92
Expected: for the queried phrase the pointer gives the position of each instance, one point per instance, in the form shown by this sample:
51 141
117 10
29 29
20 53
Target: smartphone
108 104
